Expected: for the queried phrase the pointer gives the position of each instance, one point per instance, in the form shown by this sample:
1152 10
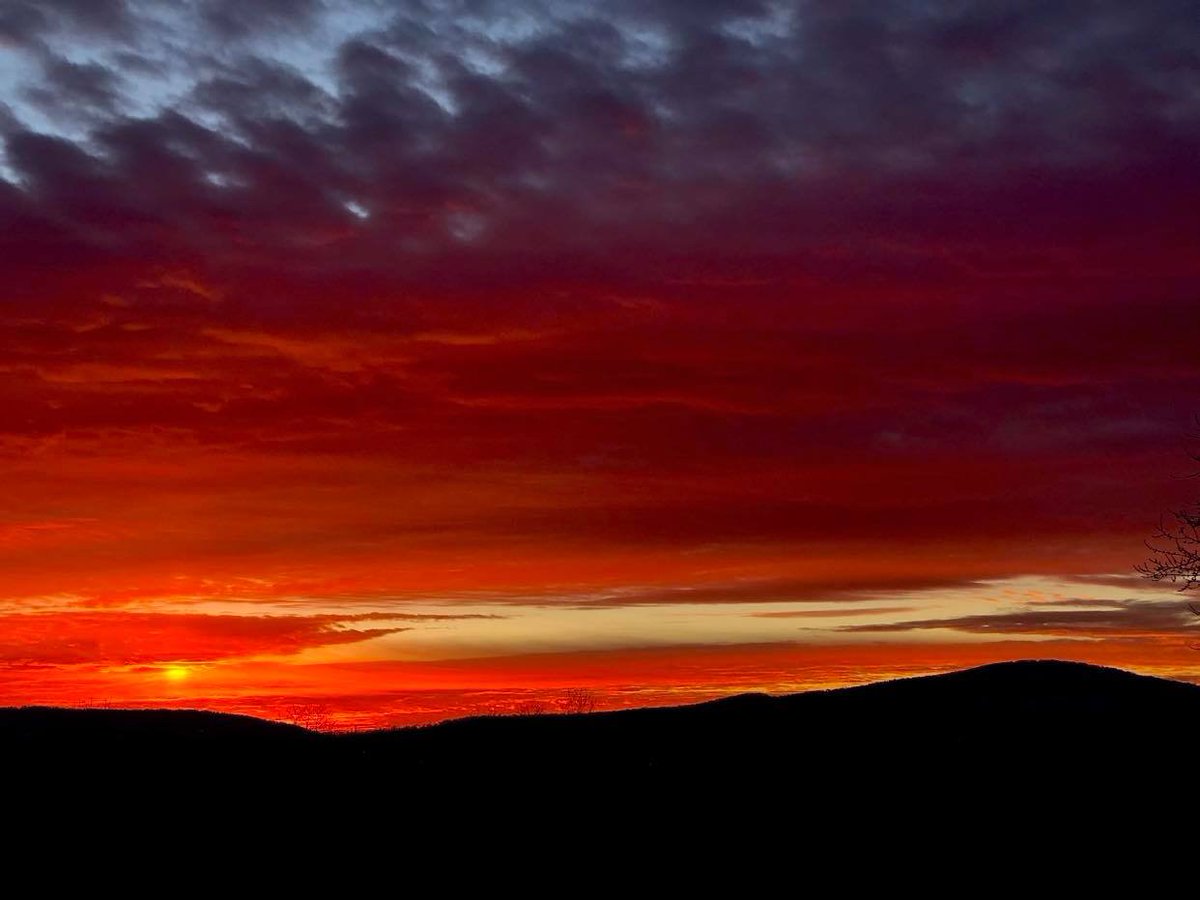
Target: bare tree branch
578 700
1175 549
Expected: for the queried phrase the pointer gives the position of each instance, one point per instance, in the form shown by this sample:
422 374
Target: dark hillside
1060 721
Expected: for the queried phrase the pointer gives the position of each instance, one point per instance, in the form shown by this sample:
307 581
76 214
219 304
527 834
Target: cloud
903 287
833 613
235 19
817 588
87 90
1089 618
25 22
611 117
133 638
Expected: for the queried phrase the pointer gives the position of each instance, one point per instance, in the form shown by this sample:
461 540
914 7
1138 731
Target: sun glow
176 674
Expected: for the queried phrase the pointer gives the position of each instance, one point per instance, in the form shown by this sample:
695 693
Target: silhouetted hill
1072 719
43 726
1013 714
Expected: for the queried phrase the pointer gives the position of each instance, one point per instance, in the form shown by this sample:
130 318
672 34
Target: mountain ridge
1022 715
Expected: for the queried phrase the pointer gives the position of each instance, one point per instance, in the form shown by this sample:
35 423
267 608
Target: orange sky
399 368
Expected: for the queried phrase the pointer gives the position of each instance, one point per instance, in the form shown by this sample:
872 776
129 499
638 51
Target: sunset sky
407 360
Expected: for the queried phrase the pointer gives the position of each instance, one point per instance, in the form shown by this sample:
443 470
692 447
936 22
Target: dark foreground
1042 773
1066 721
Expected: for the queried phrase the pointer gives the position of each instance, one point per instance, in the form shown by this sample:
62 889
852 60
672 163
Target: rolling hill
1037 717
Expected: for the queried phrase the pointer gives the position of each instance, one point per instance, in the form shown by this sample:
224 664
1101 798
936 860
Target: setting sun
176 673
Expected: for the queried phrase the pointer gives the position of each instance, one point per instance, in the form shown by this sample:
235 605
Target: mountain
1020 716
1023 716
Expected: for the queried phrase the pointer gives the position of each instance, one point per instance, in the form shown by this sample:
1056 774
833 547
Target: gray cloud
832 613
235 18
85 91
775 153
1103 617
25 22
848 591
602 95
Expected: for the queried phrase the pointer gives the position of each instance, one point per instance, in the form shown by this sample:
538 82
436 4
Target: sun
176 673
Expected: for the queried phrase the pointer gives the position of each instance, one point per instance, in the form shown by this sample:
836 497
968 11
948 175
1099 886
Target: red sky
412 364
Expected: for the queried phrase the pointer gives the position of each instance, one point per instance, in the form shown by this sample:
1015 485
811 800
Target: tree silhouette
577 700
1175 549
312 716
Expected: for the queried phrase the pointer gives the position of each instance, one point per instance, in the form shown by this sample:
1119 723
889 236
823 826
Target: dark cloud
19 22
791 272
1131 583
1128 618
494 154
669 116
261 92
234 18
848 591
129 638
22 22
833 613
87 90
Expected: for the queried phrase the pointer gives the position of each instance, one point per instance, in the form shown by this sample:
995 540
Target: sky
390 362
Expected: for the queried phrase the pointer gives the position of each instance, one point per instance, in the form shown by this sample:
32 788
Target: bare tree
312 716
577 700
1175 549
